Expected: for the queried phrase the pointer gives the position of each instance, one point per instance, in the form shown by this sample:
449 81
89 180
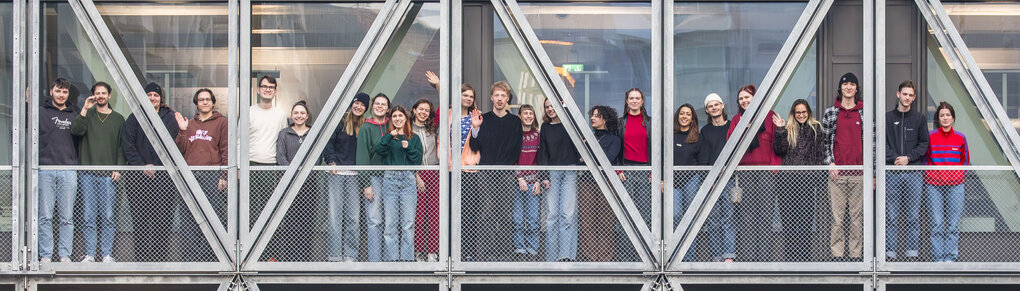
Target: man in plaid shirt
844 142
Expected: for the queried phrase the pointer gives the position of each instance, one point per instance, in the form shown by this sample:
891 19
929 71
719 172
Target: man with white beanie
722 233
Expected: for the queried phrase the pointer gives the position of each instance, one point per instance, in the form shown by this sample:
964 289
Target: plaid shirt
829 132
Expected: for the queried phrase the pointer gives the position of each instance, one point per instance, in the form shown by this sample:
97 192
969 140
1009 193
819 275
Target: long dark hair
609 115
943 105
430 124
626 110
692 133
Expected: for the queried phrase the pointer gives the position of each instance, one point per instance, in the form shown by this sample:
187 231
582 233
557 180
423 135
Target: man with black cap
148 206
843 140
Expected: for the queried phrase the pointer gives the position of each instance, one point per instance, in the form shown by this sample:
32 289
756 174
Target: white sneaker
65 259
109 259
433 257
45 260
88 259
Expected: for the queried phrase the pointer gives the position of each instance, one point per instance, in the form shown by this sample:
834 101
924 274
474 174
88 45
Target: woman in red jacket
946 147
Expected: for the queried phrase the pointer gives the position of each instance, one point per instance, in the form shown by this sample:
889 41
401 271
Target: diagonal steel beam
339 100
972 78
98 32
582 136
768 93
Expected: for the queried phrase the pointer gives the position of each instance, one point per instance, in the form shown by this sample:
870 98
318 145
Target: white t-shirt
264 127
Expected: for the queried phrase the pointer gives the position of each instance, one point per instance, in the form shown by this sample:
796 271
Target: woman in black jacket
799 142
597 235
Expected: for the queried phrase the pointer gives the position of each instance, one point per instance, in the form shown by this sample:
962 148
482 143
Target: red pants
426 218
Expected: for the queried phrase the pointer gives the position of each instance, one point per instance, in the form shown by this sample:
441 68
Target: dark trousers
486 214
152 203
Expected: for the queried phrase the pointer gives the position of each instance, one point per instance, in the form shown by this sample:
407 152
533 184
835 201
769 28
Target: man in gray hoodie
57 187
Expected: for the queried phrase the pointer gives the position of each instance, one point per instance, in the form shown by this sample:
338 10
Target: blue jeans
683 194
344 216
98 199
561 216
400 201
902 198
722 234
526 208
374 222
946 205
56 188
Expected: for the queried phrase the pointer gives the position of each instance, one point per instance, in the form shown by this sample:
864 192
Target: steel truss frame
237 246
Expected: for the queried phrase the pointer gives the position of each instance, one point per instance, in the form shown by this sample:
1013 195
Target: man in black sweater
497 136
906 140
720 226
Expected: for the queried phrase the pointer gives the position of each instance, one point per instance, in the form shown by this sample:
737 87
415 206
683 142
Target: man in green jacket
99 128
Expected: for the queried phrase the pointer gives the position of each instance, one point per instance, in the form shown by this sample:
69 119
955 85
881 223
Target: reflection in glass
944 85
180 46
992 34
601 49
306 46
719 47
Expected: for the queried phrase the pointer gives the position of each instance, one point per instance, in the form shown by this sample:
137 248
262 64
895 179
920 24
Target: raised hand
403 143
432 78
89 103
182 122
476 118
778 121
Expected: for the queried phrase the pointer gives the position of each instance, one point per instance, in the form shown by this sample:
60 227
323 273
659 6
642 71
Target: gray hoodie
287 145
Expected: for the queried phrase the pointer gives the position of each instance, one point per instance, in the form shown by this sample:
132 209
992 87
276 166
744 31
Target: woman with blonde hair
799 142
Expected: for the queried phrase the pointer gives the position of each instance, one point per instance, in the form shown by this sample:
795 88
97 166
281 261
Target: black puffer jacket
809 150
137 148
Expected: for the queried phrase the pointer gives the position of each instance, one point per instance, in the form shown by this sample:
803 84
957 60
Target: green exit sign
573 67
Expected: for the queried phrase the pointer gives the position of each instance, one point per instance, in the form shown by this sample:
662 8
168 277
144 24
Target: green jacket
393 152
100 144
368 136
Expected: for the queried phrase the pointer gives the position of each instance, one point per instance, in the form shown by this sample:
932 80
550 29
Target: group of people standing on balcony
401 206
836 140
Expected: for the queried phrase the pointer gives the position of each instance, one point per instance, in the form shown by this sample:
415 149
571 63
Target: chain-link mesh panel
569 221
784 216
261 184
140 217
952 215
331 218
639 186
685 186
6 214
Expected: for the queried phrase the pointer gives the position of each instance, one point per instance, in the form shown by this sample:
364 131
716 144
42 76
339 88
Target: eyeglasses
267 87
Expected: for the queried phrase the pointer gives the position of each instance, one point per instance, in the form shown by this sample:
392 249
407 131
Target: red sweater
946 148
763 154
635 139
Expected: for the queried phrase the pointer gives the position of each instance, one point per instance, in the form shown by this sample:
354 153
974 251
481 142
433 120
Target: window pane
720 47
992 34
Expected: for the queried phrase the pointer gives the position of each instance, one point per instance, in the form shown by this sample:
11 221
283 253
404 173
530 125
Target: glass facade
400 205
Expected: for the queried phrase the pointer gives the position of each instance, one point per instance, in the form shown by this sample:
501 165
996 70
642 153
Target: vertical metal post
880 84
243 102
233 216
657 147
668 100
454 80
450 34
869 131
33 75
18 125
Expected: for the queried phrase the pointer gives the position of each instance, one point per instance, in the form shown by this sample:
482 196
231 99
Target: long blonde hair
791 125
